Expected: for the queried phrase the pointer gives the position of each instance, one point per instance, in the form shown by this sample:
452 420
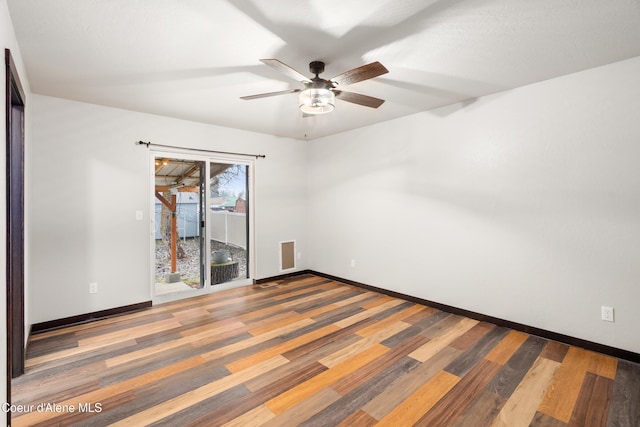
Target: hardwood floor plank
472 336
196 415
327 288
312 298
43 346
236 408
544 420
422 314
68 418
421 401
366 373
296 300
592 407
167 388
517 366
482 411
368 313
282 318
108 345
311 351
351 401
272 351
295 395
78 362
417 327
160 337
247 343
253 418
104 393
257 315
320 310
338 314
361 299
85 328
555 351
104 327
463 393
127 334
214 342
328 339
563 391
395 310
301 411
395 314
275 375
442 322
523 403
359 419
502 352
139 367
312 306
317 324
604 366
59 391
212 334
362 345
260 301
195 396
472 355
379 299
400 390
442 340
625 400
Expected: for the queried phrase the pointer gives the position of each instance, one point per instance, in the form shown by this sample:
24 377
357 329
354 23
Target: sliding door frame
250 185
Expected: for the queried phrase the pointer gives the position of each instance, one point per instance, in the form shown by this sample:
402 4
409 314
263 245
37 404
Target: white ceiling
193 59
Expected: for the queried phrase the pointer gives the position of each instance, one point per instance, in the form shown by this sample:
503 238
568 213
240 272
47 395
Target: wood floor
313 352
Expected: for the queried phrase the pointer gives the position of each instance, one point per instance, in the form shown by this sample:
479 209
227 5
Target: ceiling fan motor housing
316 67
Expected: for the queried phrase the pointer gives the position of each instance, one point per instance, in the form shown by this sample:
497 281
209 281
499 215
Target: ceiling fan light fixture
317 101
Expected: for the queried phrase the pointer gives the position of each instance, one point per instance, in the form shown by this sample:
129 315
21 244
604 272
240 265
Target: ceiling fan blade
264 95
357 98
359 74
283 68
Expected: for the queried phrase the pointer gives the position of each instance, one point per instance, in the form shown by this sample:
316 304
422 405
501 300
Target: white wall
524 205
87 179
8 40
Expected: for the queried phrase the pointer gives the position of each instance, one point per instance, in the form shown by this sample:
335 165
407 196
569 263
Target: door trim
14 105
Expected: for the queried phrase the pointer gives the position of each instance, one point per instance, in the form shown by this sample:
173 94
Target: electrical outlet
93 288
607 313
139 215
353 263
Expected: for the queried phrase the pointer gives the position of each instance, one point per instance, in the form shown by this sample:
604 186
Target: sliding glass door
229 222
201 228
180 241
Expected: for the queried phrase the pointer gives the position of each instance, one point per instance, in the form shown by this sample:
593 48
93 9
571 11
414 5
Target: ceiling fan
318 95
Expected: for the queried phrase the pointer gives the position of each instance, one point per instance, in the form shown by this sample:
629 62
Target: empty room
321 213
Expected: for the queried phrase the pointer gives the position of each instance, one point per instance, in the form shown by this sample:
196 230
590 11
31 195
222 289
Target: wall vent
287 255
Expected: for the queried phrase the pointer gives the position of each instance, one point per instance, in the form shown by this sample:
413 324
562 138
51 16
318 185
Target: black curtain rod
257 156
